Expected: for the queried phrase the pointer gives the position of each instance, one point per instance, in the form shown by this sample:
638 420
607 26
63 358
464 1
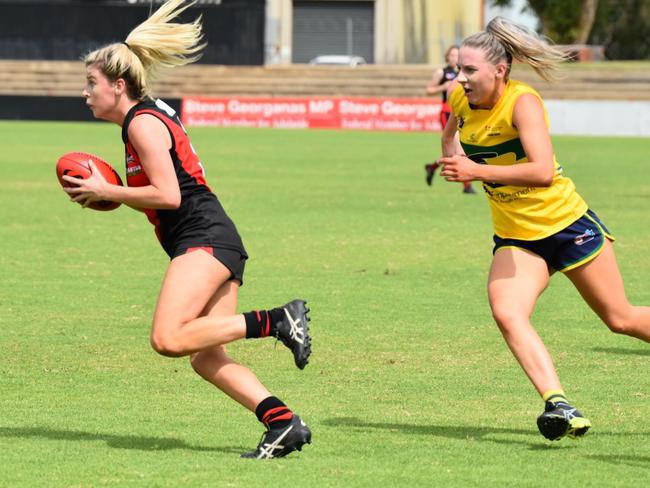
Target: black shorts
231 259
573 246
199 221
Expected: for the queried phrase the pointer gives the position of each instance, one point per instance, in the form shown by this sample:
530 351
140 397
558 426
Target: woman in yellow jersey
498 134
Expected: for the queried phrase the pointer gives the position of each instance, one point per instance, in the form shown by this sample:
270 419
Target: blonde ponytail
157 42
505 40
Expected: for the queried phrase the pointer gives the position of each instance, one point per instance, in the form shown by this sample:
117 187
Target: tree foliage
563 21
621 26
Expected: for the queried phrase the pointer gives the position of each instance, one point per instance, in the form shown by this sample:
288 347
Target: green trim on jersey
489 136
511 146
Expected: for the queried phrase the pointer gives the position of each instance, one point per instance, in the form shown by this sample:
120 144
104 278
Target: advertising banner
401 114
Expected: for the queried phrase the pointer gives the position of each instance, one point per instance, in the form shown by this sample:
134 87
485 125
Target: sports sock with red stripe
262 323
273 413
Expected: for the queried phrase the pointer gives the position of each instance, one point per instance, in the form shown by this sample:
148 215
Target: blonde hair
503 39
157 42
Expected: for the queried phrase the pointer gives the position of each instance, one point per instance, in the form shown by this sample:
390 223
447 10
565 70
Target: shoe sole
295 442
302 352
578 428
304 437
555 428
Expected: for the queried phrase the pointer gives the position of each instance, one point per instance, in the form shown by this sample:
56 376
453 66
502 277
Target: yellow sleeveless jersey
489 137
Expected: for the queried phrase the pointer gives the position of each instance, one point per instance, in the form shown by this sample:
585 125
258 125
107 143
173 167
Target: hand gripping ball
75 164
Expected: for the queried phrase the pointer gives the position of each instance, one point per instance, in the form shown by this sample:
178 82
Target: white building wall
599 117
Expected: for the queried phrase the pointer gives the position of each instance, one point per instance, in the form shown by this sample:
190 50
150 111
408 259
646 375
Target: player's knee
618 323
166 345
504 316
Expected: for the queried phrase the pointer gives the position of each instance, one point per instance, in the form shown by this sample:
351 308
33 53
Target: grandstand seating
581 81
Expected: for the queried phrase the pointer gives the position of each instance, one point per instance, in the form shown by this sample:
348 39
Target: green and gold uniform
489 137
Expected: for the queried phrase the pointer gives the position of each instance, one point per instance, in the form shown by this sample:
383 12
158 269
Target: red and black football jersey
200 220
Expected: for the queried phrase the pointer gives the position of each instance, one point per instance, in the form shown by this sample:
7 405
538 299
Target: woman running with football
195 315
541 224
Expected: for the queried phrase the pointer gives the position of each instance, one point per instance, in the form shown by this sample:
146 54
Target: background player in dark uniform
196 310
442 82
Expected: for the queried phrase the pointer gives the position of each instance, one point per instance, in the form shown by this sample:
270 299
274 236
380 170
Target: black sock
262 323
273 413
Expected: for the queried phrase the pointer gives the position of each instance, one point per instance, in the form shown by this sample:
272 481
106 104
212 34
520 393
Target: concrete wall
599 118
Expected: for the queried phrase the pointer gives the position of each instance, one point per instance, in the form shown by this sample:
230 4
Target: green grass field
410 383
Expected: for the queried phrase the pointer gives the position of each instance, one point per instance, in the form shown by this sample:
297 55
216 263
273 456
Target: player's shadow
497 435
140 443
483 434
620 350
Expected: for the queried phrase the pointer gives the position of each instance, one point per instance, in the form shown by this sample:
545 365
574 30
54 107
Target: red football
75 164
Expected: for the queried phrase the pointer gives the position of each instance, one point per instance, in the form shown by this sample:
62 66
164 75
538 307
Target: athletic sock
262 323
273 413
555 396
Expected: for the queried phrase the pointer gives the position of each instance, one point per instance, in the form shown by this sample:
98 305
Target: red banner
402 114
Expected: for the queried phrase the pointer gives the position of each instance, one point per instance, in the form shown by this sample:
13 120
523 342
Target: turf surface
410 382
